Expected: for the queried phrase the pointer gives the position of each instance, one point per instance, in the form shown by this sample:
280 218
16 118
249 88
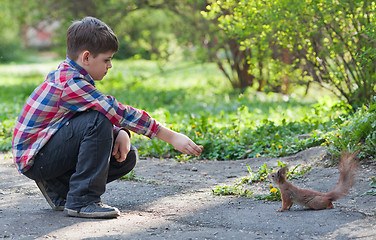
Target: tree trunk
241 65
286 58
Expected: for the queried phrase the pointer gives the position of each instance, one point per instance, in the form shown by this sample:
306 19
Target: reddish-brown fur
291 194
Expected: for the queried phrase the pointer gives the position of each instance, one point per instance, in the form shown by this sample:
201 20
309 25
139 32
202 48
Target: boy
72 139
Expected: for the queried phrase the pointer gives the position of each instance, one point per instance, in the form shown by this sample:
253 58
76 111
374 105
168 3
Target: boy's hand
181 142
185 145
122 146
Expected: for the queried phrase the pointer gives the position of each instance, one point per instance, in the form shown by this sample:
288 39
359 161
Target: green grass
197 100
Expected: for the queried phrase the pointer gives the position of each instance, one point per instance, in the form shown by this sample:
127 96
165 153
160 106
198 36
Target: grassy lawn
197 100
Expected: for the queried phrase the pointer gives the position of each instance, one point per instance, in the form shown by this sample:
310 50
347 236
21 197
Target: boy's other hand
122 146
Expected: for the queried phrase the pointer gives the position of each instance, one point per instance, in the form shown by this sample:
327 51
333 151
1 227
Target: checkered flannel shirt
66 91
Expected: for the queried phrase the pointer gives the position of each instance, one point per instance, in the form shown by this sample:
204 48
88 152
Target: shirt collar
81 70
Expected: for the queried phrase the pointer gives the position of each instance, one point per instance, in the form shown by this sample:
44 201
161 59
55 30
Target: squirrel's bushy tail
348 168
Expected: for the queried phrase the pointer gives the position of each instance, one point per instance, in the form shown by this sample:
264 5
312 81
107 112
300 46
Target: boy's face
98 66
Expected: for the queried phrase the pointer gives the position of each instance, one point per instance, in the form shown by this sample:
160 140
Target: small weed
131 176
373 186
274 195
294 174
261 175
234 191
183 157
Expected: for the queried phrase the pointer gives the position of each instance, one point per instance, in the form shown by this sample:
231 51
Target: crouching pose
72 139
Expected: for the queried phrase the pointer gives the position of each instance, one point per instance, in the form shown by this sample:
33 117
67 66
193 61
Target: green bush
357 132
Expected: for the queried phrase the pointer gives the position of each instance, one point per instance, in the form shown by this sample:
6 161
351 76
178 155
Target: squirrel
316 200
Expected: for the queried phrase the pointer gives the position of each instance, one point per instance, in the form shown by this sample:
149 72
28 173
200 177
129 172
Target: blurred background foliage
268 45
259 47
271 46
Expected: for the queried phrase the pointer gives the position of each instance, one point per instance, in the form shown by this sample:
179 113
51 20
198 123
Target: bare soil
174 200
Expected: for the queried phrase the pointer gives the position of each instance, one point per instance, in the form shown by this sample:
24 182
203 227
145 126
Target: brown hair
90 34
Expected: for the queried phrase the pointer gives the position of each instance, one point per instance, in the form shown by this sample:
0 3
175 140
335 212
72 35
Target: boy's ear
85 57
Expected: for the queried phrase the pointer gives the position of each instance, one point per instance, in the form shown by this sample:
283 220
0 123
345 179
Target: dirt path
174 201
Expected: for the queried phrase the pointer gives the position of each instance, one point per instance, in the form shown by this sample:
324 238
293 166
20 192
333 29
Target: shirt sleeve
80 95
117 129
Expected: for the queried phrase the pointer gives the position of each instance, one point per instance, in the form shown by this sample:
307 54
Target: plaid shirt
66 91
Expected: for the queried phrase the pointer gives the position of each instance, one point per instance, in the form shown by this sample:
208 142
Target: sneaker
56 202
94 210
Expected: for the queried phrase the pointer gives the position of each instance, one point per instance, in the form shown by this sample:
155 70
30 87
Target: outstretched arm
181 142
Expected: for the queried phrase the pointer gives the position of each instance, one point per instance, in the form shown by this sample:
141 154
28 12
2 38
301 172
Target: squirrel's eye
272 175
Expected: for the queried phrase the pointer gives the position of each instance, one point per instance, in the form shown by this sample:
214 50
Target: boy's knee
132 157
119 169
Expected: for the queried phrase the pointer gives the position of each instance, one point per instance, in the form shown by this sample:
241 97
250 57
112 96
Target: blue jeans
76 163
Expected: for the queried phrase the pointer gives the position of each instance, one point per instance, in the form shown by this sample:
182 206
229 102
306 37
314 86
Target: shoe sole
45 195
74 213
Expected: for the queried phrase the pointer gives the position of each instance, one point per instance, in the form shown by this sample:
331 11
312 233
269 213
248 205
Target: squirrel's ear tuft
283 171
